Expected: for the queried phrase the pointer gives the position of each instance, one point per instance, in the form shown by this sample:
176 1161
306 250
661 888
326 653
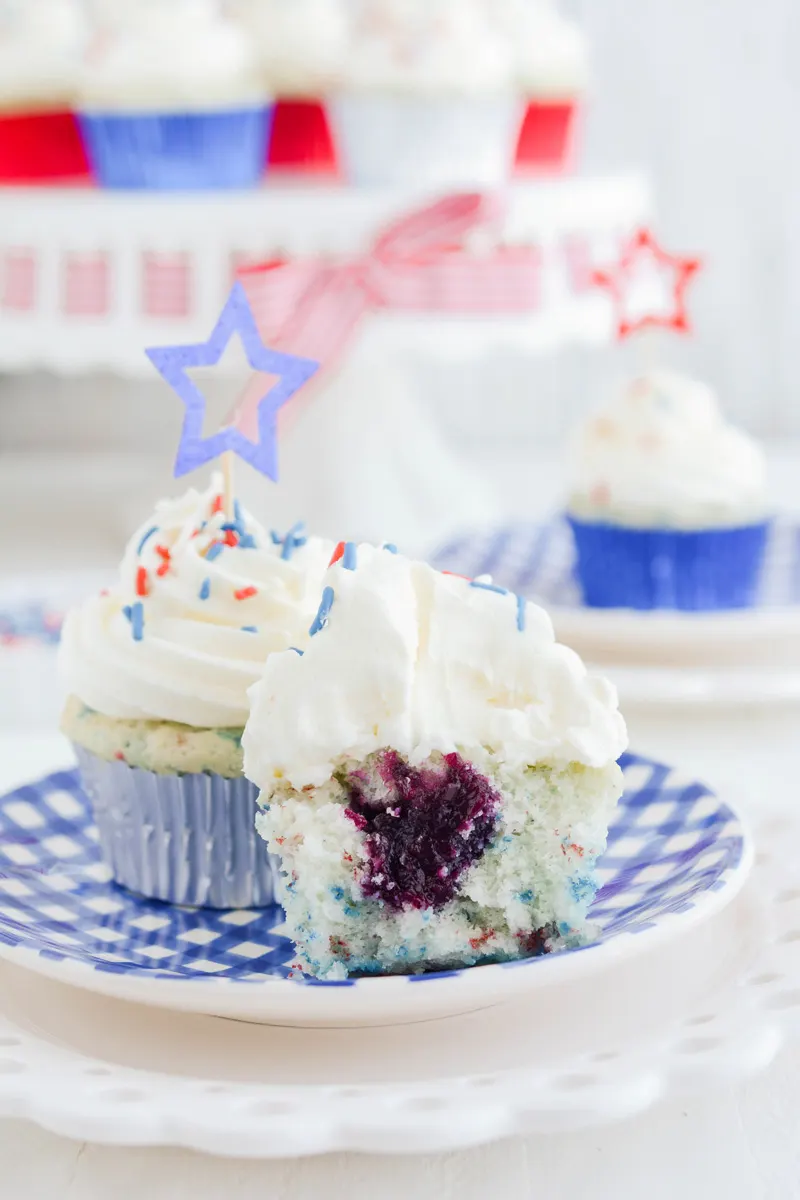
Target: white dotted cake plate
710 1007
665 657
676 855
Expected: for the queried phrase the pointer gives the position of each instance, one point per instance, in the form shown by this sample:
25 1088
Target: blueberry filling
424 827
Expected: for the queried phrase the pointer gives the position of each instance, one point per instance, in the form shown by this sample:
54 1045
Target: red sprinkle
230 538
118 754
245 593
142 582
455 574
216 504
476 942
165 556
338 553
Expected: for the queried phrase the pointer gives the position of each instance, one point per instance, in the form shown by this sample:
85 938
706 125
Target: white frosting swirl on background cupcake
409 658
173 55
187 629
41 46
302 45
661 453
431 47
550 51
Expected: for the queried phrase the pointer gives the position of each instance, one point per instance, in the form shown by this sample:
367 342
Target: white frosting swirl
302 44
41 44
661 452
197 655
178 55
439 47
423 662
551 52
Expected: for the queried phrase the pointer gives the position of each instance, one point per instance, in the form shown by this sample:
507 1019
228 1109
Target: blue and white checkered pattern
671 843
538 561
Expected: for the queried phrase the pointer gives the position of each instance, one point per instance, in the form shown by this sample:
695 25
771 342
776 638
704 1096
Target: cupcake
668 502
157 672
302 49
437 775
173 98
41 46
551 60
428 98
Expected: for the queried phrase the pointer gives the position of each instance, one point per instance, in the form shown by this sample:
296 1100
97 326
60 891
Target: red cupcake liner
41 148
301 138
546 138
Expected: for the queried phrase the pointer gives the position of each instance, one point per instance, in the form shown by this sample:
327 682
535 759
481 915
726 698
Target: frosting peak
408 658
661 452
200 604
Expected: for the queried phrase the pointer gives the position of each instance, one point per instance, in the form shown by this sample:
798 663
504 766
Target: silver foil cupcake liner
186 839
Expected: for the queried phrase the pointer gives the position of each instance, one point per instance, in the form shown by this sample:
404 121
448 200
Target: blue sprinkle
294 538
526 897
137 620
126 611
146 537
321 619
489 587
238 514
522 608
214 551
277 540
230 525
349 557
337 893
249 629
247 542
205 589
390 546
300 652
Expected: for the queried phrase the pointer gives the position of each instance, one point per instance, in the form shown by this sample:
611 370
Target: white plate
707 1008
676 855
682 686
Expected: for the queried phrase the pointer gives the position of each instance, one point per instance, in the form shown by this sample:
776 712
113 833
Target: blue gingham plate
537 561
676 855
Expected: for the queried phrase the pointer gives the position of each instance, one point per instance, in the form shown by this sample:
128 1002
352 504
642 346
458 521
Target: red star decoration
643 251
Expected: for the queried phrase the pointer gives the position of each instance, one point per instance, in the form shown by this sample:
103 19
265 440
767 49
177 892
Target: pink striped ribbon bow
418 264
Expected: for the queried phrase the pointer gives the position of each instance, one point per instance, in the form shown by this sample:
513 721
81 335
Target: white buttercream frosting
198 653
175 55
662 453
302 45
438 47
41 45
550 51
421 661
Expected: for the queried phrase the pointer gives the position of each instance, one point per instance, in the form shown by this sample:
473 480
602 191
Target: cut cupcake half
437 775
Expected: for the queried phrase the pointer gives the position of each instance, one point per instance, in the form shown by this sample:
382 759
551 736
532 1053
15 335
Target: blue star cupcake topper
251 430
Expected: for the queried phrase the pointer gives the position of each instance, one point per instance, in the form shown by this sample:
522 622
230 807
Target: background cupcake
668 502
552 68
428 98
172 97
41 46
302 51
158 670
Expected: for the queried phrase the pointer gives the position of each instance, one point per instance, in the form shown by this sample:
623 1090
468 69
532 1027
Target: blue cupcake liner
186 839
174 151
690 570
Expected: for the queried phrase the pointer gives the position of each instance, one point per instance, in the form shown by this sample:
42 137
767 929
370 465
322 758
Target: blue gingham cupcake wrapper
185 839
